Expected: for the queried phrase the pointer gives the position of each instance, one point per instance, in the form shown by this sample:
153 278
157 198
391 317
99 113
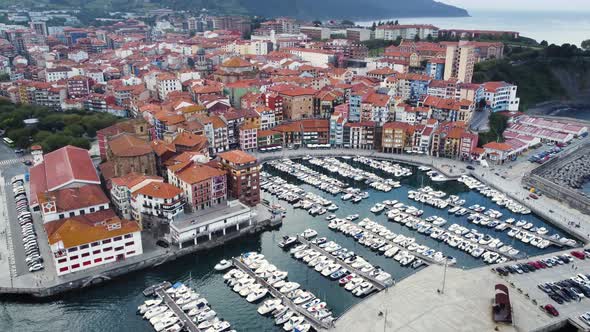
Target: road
480 121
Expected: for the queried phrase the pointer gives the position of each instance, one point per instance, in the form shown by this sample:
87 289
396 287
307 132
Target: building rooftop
127 145
88 228
237 157
185 222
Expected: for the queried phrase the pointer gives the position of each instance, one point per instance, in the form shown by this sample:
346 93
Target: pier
424 258
379 285
544 237
316 323
185 320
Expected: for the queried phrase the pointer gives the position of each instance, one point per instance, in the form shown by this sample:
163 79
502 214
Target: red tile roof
237 157
61 167
159 190
126 145
74 198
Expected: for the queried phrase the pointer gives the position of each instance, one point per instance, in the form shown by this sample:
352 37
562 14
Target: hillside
541 76
303 9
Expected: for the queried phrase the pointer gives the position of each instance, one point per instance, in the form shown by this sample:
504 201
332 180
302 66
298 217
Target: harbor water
112 306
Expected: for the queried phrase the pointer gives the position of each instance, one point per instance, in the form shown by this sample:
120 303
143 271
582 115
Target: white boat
206 315
289 286
223 265
154 311
257 295
161 317
292 322
165 323
268 306
148 304
309 233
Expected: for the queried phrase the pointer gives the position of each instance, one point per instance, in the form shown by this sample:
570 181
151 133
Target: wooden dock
379 285
316 323
185 320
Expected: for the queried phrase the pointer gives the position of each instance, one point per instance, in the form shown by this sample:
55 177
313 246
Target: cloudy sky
522 4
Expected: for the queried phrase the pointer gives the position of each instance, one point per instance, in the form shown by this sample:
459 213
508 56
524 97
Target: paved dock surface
418 303
316 323
379 285
182 316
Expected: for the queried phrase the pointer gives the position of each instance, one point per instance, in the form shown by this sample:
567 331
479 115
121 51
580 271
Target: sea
556 27
112 306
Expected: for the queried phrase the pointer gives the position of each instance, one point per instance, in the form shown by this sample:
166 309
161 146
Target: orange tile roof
237 157
126 145
497 146
159 190
88 228
189 139
132 179
196 173
236 62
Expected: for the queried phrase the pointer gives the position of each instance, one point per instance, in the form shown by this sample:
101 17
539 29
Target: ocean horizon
554 27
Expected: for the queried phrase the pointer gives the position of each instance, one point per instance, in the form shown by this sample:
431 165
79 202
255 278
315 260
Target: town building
459 61
204 186
243 176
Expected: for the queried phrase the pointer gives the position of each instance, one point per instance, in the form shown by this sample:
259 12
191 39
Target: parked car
470 167
551 310
163 243
578 254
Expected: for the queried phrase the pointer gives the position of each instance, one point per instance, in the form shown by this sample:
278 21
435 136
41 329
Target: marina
290 192
379 282
313 320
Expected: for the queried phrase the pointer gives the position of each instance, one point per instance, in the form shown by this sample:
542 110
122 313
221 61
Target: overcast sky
522 4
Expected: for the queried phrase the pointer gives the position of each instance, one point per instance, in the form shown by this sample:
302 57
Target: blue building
435 68
354 114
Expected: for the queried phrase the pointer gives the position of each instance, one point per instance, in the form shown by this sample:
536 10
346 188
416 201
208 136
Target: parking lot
526 285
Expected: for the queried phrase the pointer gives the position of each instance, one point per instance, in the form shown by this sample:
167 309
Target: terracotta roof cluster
68 199
158 190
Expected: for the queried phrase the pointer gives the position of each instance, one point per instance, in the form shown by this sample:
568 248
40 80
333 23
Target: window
106 241
94 244
86 263
128 236
131 252
91 209
129 244
74 257
95 252
72 249
75 266
98 260
118 238
107 249
86 254
62 260
63 269
84 246
108 258
61 216
118 248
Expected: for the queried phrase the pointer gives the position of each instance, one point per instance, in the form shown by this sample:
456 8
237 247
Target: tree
544 43
586 45
396 22
416 38
374 26
317 23
347 22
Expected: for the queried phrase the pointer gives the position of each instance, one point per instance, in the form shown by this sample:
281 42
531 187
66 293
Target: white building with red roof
499 96
68 167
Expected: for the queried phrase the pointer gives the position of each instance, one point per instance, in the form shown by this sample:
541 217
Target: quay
379 285
316 323
187 322
47 285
